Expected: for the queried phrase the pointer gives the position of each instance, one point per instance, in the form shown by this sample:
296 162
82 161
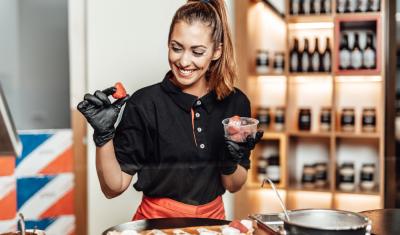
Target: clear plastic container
238 128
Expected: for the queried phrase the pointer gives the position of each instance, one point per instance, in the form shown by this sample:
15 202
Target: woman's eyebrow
192 47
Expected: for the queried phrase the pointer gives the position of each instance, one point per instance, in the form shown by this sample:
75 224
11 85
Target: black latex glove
236 152
101 114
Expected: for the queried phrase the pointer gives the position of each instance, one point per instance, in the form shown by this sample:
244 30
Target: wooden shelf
257 185
310 74
359 72
273 135
357 135
336 89
358 191
299 187
291 19
357 14
309 134
267 74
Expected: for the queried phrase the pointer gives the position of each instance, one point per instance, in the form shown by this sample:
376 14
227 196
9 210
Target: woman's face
191 52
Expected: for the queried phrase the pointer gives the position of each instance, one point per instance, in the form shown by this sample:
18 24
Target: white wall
9 51
122 41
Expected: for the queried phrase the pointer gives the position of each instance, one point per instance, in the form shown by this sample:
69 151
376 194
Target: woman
170 133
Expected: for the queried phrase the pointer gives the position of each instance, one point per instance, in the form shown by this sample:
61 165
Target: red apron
152 208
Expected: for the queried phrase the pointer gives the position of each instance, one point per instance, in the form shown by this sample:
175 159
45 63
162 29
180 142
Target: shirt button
198 102
202 146
199 129
197 115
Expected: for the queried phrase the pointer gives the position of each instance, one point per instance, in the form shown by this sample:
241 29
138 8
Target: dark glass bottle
326 58
305 57
341 6
295 7
369 53
326 6
344 53
295 57
374 5
306 6
352 5
315 58
363 5
356 55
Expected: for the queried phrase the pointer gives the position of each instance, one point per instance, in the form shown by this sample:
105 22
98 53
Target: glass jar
264 117
279 119
304 122
321 174
308 176
279 62
262 62
325 119
367 176
369 120
346 177
347 120
273 169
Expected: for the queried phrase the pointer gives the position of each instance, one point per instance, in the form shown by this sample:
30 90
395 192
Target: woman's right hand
101 114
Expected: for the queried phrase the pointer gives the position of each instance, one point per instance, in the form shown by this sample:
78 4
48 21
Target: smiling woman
170 133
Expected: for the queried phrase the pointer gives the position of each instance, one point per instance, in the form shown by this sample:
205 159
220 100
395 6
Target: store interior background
54 51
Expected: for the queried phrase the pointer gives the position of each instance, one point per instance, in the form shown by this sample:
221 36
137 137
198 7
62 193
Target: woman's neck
198 89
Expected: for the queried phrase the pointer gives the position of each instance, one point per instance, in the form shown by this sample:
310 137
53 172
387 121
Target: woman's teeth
186 72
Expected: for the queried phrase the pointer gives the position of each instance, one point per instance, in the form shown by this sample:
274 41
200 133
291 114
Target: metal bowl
325 221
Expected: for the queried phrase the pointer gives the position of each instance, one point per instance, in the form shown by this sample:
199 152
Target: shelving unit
259 27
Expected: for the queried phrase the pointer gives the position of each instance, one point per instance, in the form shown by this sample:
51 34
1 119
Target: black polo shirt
155 139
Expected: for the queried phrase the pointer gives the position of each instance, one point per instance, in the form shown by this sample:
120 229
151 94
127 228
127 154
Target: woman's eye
176 49
198 53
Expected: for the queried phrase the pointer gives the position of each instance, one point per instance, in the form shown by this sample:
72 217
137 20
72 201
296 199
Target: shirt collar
184 100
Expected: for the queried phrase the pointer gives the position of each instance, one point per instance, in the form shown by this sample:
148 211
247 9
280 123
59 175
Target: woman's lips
185 72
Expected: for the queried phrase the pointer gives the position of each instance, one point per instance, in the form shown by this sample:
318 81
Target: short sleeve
131 139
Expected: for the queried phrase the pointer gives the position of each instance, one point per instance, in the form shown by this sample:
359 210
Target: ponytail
222 72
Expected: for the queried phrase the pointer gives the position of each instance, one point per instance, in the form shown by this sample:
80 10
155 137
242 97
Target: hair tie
205 1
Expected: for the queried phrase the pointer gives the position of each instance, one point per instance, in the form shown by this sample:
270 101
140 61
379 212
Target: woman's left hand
238 151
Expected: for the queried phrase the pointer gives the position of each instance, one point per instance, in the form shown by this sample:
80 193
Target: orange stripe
194 135
62 164
7 165
64 206
8 206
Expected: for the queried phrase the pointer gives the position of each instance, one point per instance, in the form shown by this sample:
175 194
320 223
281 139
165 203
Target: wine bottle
306 7
369 53
326 61
315 58
295 7
295 57
341 6
363 5
305 57
356 55
326 6
351 5
344 53
374 5
317 6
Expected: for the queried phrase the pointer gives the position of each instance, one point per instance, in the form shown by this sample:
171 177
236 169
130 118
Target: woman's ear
217 52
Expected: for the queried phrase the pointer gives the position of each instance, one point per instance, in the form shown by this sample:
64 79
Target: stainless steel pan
315 222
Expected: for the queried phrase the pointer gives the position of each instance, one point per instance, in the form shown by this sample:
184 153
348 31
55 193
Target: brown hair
222 72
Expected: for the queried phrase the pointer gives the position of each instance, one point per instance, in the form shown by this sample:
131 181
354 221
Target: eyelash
176 49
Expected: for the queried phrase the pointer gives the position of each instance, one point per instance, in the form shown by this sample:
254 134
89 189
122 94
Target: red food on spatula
120 92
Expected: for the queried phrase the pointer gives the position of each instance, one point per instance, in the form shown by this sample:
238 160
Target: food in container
238 128
347 119
304 121
367 176
346 174
369 120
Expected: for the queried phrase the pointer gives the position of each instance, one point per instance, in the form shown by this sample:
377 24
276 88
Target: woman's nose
185 59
